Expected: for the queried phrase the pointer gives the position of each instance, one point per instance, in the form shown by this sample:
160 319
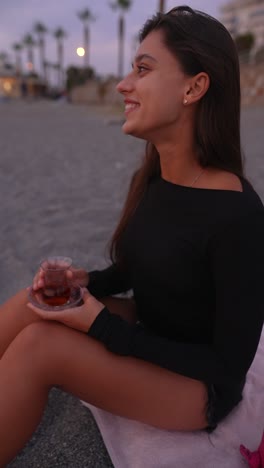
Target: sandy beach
64 173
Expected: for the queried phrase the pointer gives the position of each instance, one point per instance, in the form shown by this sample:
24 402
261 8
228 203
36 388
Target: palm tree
56 68
122 6
162 6
60 35
47 66
86 17
40 29
29 44
134 45
17 47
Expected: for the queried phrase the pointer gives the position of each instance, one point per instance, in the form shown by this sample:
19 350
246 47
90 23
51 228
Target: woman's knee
34 345
17 306
20 298
47 346
38 336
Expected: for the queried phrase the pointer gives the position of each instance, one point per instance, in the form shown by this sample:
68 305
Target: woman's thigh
125 386
15 315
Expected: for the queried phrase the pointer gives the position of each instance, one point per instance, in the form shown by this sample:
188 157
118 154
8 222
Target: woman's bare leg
15 315
45 354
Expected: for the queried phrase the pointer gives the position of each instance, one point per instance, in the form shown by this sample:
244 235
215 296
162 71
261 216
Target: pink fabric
255 459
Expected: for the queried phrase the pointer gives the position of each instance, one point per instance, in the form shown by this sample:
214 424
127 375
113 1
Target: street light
80 51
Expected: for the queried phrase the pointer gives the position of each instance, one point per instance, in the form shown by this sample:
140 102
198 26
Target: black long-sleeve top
194 259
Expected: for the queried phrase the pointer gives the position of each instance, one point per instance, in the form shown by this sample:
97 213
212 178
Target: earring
185 101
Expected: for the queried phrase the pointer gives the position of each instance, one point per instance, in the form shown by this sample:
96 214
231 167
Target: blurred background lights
80 51
7 86
30 66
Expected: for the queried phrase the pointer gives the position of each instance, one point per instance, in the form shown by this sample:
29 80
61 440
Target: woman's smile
130 106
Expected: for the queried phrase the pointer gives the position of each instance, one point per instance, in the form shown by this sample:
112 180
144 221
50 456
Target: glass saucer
74 300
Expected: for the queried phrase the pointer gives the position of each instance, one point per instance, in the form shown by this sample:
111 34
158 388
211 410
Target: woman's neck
179 162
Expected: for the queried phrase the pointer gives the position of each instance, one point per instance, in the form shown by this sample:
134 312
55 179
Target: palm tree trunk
18 63
30 58
86 38
47 71
42 58
60 64
121 35
162 6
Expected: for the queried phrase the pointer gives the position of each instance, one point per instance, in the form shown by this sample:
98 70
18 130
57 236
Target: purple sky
18 16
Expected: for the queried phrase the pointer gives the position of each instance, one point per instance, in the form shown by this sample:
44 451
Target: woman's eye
141 69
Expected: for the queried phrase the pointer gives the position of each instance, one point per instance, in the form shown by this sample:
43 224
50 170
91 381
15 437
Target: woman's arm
237 266
107 282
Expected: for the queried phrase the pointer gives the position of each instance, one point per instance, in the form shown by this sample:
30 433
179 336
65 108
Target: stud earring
185 101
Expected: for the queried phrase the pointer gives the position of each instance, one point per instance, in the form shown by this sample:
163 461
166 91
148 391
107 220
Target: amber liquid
55 297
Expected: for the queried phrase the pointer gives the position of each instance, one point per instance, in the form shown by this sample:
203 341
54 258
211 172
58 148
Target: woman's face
153 91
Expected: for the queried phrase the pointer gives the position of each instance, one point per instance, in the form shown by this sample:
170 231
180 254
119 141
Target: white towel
135 445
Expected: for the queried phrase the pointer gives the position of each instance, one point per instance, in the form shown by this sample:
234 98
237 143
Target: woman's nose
125 85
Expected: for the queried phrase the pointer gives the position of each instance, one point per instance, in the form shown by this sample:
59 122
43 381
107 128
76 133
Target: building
9 83
14 85
243 16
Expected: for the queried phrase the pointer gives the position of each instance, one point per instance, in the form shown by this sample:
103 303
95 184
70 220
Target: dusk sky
18 16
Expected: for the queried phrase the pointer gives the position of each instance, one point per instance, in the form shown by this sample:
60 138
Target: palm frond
121 5
40 28
86 15
60 33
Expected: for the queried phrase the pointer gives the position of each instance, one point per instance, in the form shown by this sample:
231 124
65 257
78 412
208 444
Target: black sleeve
236 257
107 282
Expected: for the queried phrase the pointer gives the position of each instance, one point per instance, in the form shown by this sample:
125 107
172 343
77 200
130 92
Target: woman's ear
197 87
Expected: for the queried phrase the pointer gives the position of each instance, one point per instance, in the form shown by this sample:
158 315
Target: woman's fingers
69 274
53 314
79 318
77 276
38 280
86 295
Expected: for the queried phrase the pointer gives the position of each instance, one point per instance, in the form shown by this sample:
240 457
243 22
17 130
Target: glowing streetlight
80 51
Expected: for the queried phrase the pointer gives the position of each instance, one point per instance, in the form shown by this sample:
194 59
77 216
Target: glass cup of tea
56 290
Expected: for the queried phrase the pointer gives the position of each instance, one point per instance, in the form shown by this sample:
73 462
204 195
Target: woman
189 244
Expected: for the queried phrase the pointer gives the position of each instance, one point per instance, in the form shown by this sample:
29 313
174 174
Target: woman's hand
76 277
79 318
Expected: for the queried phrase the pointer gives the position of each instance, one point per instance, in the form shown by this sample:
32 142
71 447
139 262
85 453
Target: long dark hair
201 44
